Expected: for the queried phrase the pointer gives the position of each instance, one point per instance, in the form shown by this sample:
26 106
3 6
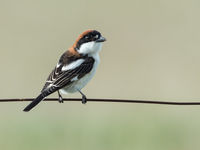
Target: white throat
90 48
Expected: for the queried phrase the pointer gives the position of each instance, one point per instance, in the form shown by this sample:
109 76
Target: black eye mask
91 36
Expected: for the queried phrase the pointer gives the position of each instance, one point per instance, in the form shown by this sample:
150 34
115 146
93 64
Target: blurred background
152 52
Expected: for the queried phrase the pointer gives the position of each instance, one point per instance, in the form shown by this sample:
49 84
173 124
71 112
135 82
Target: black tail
44 94
34 103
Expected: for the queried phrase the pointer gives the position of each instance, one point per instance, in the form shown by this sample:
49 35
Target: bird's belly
79 84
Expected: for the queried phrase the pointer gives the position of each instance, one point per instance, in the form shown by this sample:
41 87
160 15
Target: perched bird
75 68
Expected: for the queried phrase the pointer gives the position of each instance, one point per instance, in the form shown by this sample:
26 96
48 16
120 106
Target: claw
84 99
60 99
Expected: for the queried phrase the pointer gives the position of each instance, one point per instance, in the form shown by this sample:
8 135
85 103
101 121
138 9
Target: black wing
59 79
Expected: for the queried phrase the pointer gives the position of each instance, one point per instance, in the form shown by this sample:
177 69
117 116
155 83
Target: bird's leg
60 99
84 98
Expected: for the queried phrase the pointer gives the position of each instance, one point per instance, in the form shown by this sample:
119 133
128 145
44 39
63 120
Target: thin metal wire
107 100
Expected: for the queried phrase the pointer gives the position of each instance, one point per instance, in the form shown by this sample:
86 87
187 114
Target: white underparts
75 78
78 84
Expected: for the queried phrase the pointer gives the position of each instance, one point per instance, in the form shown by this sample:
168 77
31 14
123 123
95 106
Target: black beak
101 39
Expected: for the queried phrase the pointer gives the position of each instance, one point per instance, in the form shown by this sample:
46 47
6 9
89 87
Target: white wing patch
73 65
58 65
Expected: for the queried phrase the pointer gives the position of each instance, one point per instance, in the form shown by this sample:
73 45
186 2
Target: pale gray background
152 52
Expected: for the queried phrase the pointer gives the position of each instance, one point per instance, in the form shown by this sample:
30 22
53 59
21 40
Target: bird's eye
86 37
97 36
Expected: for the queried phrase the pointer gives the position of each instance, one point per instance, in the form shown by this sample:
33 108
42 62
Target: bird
74 69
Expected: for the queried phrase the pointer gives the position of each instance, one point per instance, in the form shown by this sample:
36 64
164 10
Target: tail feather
41 97
34 103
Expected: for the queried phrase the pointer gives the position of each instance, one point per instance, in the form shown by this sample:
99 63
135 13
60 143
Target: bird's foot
84 99
60 99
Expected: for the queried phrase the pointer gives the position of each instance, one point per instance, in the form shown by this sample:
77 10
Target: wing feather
60 79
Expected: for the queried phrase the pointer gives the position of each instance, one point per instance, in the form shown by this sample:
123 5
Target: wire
107 100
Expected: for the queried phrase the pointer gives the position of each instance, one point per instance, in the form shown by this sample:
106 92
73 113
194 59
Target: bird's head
89 42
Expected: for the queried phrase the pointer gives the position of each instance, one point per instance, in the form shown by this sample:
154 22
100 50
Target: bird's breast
79 84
